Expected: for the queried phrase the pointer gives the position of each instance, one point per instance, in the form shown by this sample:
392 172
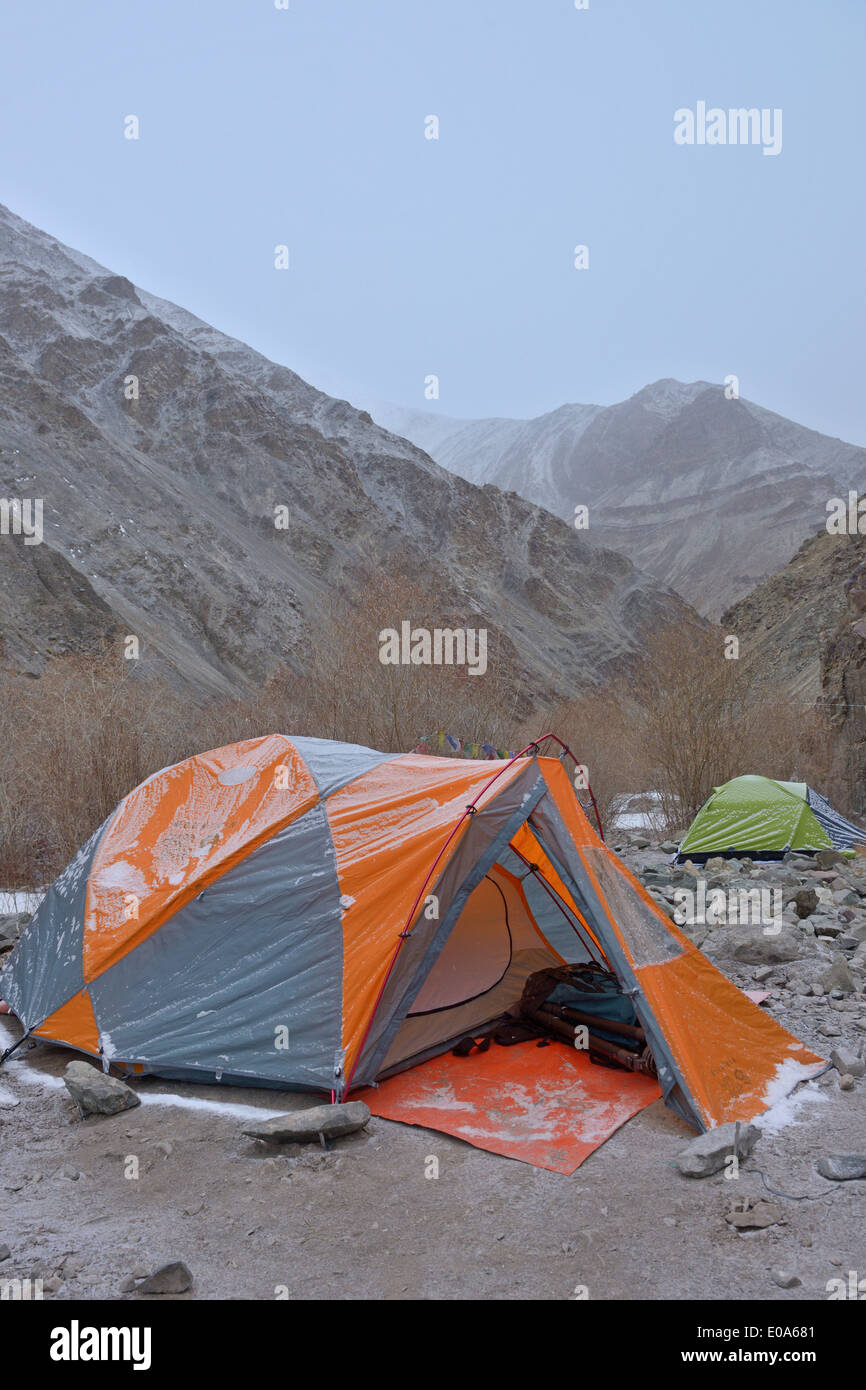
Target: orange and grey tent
315 915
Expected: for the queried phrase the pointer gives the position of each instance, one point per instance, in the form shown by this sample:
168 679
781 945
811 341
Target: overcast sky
410 256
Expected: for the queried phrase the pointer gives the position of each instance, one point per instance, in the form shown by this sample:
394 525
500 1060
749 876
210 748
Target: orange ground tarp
549 1106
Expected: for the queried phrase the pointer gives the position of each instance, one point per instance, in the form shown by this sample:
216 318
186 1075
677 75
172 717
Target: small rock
5 1252
785 1279
842 1167
846 1082
755 1218
97 1093
846 897
128 1284
826 858
306 1126
805 901
847 1062
171 1278
752 947
708 1153
839 976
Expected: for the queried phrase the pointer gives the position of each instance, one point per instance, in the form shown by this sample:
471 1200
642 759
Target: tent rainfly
766 820
313 915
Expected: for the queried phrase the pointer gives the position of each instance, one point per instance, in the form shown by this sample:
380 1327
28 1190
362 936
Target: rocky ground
811 961
93 1206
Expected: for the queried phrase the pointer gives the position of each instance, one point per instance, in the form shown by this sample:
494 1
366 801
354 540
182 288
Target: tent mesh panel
647 937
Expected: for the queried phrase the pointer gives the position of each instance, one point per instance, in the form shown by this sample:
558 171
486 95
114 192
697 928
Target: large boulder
97 1093
320 1122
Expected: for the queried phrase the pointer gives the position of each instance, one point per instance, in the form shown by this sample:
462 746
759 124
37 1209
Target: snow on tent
766 819
312 915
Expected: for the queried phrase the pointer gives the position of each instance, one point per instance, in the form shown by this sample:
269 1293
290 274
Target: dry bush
350 694
702 719
17 866
598 730
796 744
85 734
74 742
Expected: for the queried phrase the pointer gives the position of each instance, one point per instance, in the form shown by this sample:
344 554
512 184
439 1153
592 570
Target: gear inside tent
311 915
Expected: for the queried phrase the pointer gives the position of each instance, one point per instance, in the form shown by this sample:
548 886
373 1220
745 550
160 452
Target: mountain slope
804 629
159 510
786 623
709 495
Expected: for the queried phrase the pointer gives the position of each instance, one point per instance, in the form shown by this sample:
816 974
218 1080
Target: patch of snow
783 1101
122 876
19 902
231 1109
21 1071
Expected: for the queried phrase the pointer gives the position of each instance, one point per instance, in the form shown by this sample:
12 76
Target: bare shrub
78 739
702 719
74 742
350 694
17 860
597 728
87 732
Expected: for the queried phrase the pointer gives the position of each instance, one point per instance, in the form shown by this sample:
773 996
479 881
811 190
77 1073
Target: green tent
765 819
